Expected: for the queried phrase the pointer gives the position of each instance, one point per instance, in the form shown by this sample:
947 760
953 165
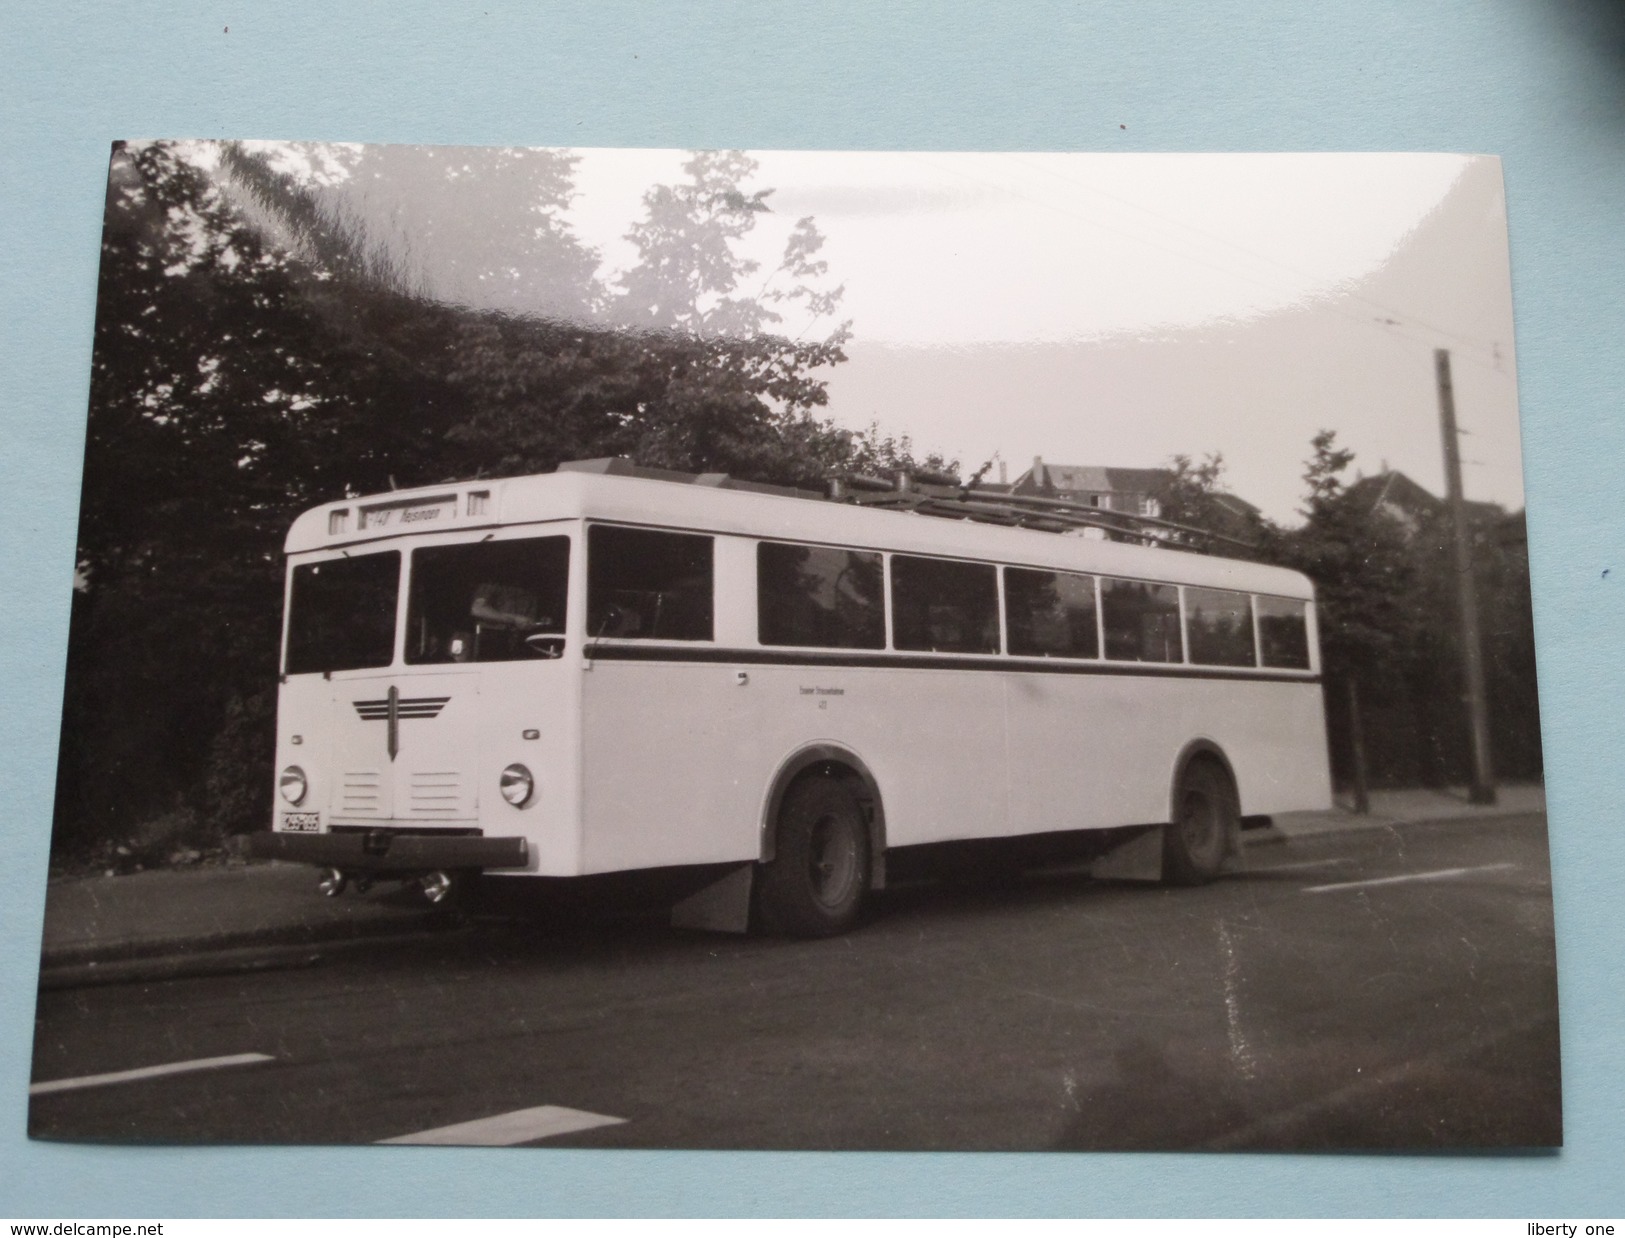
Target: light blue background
1540 82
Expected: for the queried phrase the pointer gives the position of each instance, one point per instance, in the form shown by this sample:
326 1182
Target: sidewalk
91 921
127 925
1409 806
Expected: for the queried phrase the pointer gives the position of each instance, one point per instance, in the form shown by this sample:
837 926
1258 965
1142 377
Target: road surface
1379 988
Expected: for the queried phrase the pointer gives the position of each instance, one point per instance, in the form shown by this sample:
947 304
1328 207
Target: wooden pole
1482 790
1362 784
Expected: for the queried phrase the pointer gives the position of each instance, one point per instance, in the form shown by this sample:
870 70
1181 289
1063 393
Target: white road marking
148 1072
1438 874
1296 867
1241 1053
507 1129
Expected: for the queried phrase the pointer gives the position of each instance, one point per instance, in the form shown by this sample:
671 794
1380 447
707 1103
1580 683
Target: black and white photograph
800 650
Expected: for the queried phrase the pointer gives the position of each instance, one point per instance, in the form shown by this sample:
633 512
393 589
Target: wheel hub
1198 822
833 861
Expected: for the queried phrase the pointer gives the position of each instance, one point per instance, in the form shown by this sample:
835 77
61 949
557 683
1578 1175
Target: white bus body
654 735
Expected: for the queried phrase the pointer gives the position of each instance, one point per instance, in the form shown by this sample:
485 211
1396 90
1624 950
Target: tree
1386 608
879 454
234 384
1191 494
484 227
1323 474
687 276
693 378
727 391
262 345
1361 568
200 374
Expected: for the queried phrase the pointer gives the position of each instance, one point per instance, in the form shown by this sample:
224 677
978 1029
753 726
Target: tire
1206 816
818 878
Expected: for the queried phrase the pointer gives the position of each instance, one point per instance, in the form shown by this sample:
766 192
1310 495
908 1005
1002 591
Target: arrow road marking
148 1072
507 1129
1437 874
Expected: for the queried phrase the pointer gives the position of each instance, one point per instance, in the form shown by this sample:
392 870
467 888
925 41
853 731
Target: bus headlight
517 785
292 784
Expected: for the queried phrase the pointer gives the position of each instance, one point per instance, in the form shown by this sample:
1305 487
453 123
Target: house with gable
1395 496
1132 491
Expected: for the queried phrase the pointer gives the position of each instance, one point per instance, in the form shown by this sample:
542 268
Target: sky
1121 309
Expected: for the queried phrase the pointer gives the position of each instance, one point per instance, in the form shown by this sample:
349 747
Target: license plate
302 822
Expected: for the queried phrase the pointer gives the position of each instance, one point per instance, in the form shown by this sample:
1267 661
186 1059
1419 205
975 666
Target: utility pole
1478 720
1362 781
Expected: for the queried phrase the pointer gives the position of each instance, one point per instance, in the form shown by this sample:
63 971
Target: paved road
1380 988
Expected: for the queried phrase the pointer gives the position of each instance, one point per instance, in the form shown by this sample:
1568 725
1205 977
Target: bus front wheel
815 884
1206 817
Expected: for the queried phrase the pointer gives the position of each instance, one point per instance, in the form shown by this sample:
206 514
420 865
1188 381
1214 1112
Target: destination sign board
415 513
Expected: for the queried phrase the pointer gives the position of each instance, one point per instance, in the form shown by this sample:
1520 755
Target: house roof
1396 489
1238 505
1090 478
1104 479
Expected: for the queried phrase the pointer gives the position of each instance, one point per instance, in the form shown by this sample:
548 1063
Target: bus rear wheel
818 877
1206 817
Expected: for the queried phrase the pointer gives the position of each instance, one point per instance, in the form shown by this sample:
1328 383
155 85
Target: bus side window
1141 620
646 584
1219 626
820 596
944 605
1050 614
1283 633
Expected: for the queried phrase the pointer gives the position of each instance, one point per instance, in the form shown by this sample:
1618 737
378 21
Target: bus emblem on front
395 707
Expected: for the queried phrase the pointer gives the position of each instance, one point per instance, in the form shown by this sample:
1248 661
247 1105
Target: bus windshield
341 613
486 601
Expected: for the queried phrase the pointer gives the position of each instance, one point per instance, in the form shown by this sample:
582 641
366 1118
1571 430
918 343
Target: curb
296 935
1352 823
241 961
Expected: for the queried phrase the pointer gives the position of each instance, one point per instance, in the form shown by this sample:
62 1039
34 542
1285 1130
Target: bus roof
709 504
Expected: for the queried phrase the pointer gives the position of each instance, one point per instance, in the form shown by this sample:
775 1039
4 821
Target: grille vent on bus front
435 793
360 793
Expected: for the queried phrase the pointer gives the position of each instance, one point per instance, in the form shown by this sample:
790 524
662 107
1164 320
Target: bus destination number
302 822
382 518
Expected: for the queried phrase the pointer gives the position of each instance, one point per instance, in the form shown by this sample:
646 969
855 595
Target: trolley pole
1478 722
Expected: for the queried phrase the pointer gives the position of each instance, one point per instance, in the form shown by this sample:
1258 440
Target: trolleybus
609 668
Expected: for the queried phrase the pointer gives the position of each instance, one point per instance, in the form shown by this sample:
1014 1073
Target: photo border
1530 83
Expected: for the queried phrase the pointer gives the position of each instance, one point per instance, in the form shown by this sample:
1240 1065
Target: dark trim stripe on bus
844 658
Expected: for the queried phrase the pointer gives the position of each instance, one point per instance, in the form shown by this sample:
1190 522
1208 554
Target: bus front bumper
379 851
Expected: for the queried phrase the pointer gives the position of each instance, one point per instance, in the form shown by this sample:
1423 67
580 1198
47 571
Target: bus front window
341 613
487 601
